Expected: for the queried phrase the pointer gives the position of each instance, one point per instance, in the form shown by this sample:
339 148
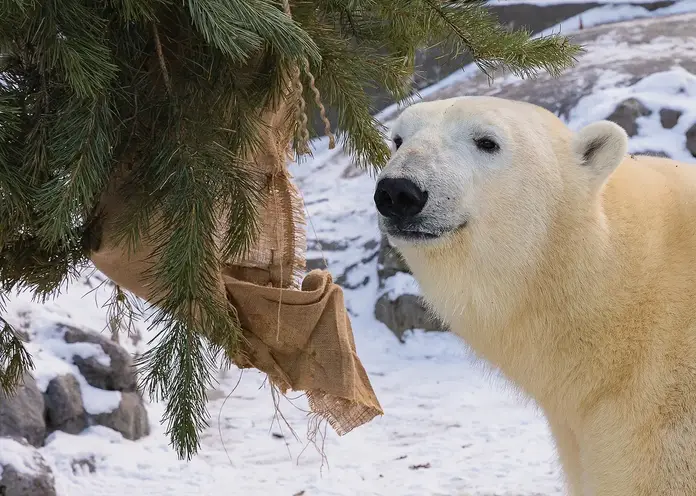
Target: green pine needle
123 310
15 361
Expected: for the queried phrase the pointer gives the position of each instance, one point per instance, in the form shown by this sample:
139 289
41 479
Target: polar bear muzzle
399 201
399 198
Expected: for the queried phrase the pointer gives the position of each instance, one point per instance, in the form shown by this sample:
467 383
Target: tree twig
160 56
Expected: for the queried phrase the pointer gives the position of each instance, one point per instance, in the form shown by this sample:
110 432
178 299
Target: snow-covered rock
115 373
23 470
130 418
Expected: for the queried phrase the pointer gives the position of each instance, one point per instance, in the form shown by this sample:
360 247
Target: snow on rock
23 471
18 455
81 377
673 90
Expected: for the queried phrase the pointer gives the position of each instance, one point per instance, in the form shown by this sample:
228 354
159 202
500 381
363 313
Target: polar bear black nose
399 198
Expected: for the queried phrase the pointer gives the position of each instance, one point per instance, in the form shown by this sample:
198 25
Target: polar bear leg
569 454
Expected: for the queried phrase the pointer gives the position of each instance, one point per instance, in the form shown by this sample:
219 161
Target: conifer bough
174 89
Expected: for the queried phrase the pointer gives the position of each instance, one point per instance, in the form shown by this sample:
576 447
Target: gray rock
82 465
315 263
36 482
691 140
130 418
64 408
652 153
119 375
669 117
626 114
389 261
22 413
405 312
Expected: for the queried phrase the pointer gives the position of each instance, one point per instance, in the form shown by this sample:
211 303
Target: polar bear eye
486 145
397 141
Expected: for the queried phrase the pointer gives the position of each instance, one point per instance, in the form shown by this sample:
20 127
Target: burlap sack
307 346
301 338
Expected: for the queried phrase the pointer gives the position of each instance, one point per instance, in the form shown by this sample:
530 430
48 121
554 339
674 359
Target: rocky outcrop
31 415
624 51
118 375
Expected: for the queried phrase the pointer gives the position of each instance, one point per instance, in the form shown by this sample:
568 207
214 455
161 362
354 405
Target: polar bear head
483 184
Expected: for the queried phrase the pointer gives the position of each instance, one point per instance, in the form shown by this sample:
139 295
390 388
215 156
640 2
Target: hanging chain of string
301 105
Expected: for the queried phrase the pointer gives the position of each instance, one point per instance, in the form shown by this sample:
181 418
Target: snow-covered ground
450 427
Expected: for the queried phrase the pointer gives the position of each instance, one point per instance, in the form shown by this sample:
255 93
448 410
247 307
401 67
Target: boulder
691 140
627 113
64 409
669 117
23 471
389 261
130 418
119 375
405 312
22 413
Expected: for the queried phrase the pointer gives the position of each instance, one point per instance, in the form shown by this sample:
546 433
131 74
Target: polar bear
568 265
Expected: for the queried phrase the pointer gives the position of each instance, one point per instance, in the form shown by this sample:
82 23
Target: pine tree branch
15 361
240 28
123 311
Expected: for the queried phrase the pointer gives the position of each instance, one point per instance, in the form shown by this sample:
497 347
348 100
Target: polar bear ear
601 147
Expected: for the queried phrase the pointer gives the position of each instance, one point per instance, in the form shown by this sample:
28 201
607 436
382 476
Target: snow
399 283
451 426
19 456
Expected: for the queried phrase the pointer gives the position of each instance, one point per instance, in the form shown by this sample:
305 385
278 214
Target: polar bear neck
510 312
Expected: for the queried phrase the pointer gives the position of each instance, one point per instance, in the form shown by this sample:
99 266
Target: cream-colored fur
575 275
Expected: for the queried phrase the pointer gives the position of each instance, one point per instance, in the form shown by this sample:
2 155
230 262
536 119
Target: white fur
572 269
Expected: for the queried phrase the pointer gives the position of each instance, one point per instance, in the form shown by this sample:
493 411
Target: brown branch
160 56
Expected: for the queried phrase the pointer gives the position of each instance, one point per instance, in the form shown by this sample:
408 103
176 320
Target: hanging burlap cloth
300 336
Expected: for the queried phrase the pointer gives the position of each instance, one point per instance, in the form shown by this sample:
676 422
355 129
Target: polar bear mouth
409 234
414 235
